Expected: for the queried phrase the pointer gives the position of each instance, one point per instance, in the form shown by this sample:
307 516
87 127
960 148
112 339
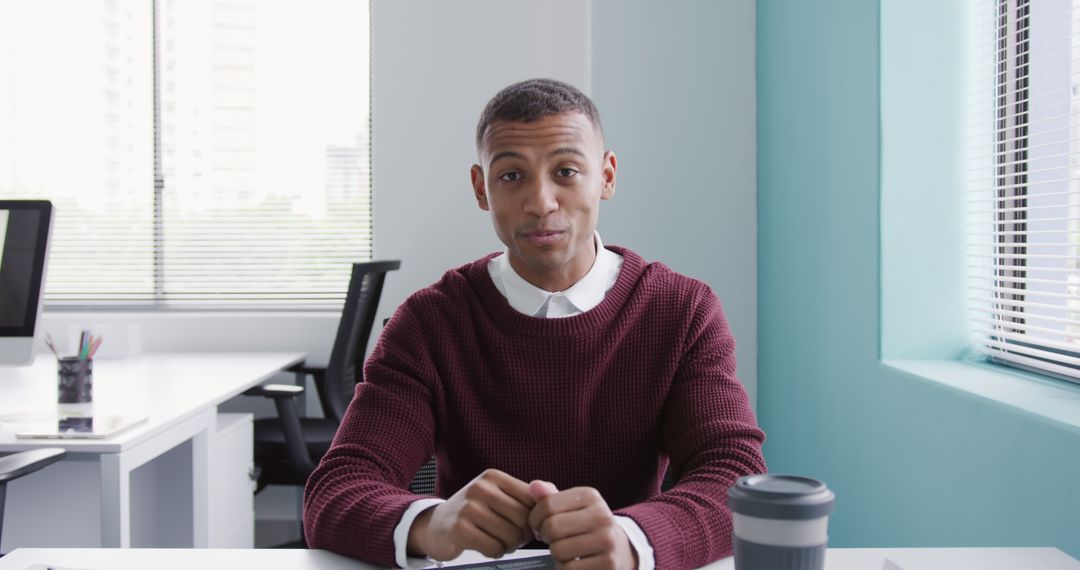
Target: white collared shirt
531 300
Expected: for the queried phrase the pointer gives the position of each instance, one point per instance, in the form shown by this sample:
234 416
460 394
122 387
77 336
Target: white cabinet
232 515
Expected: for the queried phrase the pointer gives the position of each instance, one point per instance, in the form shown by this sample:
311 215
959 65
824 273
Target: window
1024 191
198 152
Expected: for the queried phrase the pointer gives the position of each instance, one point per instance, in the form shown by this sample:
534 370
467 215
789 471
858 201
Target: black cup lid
786 497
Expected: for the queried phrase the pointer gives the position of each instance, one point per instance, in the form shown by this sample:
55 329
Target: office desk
836 559
180 393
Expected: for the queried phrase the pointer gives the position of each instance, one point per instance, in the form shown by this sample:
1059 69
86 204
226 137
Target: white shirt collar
587 293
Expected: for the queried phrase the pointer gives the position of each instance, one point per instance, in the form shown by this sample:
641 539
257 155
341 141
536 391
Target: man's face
542 182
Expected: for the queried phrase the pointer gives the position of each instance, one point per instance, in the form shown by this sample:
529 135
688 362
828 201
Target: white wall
435 65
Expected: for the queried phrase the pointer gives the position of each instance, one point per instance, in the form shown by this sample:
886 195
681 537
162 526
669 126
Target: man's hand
579 528
489 515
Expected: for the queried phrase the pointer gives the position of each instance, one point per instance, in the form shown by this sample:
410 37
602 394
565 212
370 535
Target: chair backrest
345 367
423 482
24 463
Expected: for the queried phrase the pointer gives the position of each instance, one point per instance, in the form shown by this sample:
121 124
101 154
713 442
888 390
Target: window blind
1023 185
200 153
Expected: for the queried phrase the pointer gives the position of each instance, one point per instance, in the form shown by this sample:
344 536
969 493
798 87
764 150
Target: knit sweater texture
605 399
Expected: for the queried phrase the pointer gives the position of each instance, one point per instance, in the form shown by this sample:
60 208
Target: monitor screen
24 245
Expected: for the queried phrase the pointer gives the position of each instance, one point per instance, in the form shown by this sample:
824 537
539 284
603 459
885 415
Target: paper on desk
50 567
542 562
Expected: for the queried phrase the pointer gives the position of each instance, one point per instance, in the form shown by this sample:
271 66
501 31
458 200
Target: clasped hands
496 513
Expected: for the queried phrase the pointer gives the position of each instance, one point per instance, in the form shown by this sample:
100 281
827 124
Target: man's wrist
633 552
639 543
416 544
404 528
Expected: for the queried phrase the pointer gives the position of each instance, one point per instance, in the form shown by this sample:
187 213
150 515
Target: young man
555 382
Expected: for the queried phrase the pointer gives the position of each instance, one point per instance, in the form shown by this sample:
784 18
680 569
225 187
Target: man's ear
479 189
607 173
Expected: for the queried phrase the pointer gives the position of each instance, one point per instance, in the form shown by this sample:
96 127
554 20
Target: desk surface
837 559
169 388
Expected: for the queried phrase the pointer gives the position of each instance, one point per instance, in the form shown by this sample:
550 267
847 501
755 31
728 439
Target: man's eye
510 176
566 172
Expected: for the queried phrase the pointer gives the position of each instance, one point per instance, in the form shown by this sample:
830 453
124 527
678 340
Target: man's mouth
543 237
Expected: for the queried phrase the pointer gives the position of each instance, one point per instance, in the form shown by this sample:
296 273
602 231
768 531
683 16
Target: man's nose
542 199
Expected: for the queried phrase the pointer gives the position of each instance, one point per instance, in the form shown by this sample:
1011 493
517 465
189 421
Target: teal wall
913 463
922 171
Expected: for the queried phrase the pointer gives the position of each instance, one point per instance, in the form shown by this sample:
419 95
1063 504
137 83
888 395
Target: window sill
1054 400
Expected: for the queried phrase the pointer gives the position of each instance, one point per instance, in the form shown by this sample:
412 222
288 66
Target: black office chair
24 463
288 447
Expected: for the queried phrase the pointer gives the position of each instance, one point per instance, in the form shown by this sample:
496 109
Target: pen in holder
76 380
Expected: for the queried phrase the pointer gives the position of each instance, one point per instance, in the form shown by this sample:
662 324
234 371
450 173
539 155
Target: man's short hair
534 99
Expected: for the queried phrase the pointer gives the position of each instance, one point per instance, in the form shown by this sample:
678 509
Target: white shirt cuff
638 541
401 535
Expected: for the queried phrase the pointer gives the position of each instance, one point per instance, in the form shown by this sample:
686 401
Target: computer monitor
25 228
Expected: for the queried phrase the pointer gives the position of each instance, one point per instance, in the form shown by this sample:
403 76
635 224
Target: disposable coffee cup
781 522
76 380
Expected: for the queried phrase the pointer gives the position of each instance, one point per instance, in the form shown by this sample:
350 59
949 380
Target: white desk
836 559
938 559
180 394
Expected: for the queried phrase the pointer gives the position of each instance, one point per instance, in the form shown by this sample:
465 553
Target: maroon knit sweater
602 399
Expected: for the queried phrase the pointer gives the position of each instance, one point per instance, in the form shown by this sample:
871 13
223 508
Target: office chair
24 463
288 446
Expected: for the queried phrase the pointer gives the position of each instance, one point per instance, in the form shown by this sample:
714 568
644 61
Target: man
554 383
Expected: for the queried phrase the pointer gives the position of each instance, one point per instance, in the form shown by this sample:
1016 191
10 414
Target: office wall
912 462
435 65
674 82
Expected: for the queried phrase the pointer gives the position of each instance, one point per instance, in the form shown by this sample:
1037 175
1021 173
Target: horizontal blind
1022 170
227 159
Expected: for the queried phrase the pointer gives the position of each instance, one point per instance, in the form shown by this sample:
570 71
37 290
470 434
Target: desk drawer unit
232 509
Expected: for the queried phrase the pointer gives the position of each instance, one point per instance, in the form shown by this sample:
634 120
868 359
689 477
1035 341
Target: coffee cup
781 522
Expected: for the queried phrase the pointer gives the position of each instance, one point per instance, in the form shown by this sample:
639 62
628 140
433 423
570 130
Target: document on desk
542 562
62 426
50 567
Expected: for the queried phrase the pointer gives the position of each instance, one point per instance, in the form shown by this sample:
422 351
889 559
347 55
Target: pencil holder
76 380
